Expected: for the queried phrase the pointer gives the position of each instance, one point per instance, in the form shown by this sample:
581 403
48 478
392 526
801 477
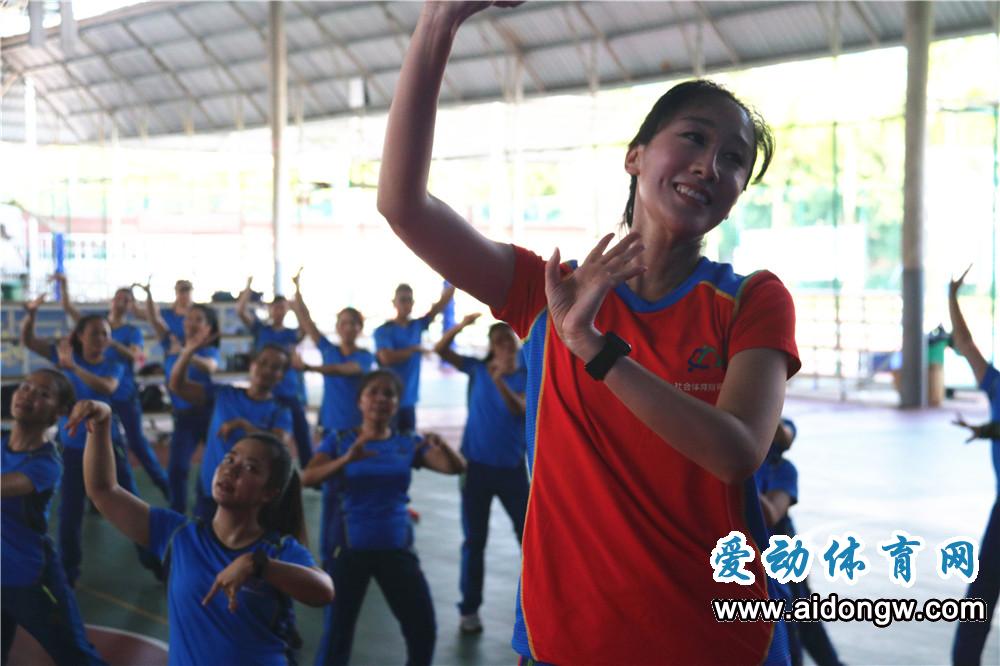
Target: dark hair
354 312
397 383
81 325
499 326
213 321
673 101
65 393
278 298
404 287
275 348
284 513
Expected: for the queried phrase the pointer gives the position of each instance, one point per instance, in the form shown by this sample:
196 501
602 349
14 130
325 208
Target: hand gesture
468 319
434 440
175 345
575 298
246 287
64 351
200 339
145 287
297 277
227 428
31 307
955 285
959 421
458 12
358 450
231 579
59 278
91 411
495 370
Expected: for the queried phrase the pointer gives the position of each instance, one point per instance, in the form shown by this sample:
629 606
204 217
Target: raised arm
301 311
440 457
322 466
179 383
15 484
443 346
67 305
775 505
446 295
104 385
516 402
40 346
123 509
960 333
242 306
152 314
428 226
387 356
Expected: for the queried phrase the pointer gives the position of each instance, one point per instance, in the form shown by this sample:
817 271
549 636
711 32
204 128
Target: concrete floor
863 469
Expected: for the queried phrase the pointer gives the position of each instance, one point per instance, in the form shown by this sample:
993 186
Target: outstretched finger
624 245
233 605
599 249
553 275
627 274
622 256
961 278
211 593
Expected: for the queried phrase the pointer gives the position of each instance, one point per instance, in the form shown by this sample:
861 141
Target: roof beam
866 22
80 87
299 79
9 82
402 37
40 95
510 39
734 57
215 59
626 76
593 80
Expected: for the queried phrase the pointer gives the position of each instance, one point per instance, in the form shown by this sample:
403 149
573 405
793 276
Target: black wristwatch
614 348
260 561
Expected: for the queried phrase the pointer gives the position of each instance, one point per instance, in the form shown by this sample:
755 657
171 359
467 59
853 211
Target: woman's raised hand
575 298
91 411
955 285
468 319
231 579
64 352
458 12
32 306
201 339
357 451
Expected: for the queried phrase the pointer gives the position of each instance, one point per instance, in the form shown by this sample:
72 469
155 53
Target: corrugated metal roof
202 66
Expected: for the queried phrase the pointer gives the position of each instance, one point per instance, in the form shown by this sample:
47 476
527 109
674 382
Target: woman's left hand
64 352
575 298
231 579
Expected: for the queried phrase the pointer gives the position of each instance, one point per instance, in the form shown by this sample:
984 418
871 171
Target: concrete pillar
919 28
278 61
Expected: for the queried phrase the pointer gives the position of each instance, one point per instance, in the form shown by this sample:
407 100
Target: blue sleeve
294 552
786 478
43 472
324 345
467 364
425 322
991 384
212 353
382 339
420 447
162 525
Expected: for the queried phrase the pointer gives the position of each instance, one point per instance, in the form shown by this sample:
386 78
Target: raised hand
297 277
358 450
201 339
468 319
91 411
59 278
574 299
955 285
64 352
231 579
32 306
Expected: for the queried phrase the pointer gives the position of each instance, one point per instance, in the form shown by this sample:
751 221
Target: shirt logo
703 358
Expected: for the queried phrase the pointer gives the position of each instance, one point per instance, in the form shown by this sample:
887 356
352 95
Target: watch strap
614 348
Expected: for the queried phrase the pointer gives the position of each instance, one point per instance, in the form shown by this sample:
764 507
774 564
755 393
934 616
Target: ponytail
284 514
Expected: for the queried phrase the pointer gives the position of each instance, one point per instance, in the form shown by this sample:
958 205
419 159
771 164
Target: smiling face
379 400
122 302
349 327
94 338
268 368
403 302
693 170
36 401
243 478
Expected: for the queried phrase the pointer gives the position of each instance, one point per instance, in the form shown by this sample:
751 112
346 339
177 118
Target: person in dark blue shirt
778 486
970 637
343 365
231 577
126 346
370 469
83 359
35 593
236 412
292 388
494 446
398 348
190 420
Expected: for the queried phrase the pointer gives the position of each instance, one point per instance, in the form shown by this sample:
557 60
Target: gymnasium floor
869 470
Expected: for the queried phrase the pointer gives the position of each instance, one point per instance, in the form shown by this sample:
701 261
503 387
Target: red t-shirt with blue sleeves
620 526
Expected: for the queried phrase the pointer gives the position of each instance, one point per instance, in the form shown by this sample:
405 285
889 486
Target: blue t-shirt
778 473
128 335
339 410
106 368
368 498
230 402
211 634
24 520
493 434
194 374
174 322
391 335
292 384
991 385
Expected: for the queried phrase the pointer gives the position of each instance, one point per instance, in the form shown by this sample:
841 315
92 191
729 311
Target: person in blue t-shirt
493 444
292 389
190 420
126 346
970 637
778 487
231 576
343 365
82 357
236 412
35 594
368 532
398 348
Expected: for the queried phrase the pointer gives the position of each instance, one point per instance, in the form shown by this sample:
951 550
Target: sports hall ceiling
198 67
